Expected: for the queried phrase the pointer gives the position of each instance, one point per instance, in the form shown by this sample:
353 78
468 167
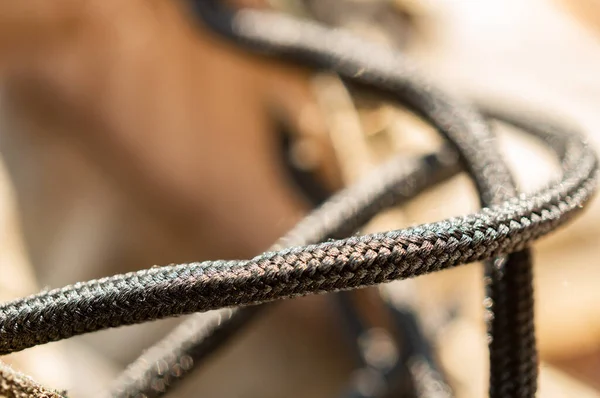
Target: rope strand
196 338
331 266
508 223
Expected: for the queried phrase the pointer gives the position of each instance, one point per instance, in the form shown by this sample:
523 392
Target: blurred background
131 136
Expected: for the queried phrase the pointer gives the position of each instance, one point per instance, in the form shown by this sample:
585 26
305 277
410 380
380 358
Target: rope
519 275
508 223
346 211
195 339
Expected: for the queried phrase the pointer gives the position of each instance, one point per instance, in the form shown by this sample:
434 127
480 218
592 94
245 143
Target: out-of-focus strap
16 385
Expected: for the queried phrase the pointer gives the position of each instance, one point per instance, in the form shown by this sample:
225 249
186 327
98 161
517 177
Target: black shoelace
311 263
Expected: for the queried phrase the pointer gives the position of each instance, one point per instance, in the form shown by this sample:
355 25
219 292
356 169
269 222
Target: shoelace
196 338
512 352
507 225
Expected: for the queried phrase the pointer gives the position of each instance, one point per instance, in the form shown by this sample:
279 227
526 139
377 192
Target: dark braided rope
335 265
331 266
366 64
196 338
512 350
513 353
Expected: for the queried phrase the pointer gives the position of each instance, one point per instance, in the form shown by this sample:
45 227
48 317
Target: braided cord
374 67
513 354
196 338
352 207
331 266
507 225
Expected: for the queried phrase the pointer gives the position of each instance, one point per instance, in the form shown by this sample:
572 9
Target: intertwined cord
513 354
196 338
158 369
508 224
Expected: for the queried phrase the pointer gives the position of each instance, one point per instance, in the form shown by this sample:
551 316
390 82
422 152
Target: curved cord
190 343
363 199
513 353
335 265
343 264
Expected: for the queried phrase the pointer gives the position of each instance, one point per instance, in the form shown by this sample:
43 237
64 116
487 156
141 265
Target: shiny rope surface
508 224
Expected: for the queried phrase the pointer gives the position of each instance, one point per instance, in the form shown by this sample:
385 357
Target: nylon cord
357 61
194 340
513 354
351 207
342 264
508 224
